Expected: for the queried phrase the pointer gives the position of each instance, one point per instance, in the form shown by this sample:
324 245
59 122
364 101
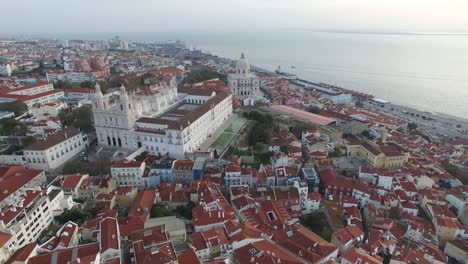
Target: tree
201 75
101 166
412 126
185 210
298 128
62 84
86 84
75 215
11 127
359 104
75 166
285 148
158 210
17 107
80 117
315 110
28 140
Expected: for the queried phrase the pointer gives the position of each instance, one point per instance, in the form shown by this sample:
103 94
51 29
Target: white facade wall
13 160
129 176
57 155
29 228
232 178
34 90
50 98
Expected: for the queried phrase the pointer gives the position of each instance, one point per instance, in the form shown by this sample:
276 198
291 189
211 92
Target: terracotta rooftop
53 139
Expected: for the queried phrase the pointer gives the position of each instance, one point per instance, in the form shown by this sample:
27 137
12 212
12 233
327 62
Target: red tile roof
314 118
53 139
127 164
70 255
354 254
188 257
109 234
71 181
22 254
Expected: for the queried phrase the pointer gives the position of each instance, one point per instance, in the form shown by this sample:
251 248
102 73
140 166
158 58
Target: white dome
242 65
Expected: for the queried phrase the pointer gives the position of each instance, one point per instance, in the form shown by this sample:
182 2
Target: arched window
121 107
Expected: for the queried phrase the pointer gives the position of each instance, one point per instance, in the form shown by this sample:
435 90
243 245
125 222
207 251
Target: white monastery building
160 119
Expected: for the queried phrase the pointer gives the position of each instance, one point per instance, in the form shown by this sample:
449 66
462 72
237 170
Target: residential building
55 149
457 250
183 171
129 173
25 218
388 156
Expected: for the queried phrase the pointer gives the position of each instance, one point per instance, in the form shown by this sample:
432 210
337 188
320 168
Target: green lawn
318 224
235 126
228 134
222 141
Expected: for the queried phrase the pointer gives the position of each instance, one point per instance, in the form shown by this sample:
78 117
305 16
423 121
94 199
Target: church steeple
97 89
123 93
98 97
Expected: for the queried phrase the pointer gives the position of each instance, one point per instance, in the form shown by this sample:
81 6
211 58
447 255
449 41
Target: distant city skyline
72 16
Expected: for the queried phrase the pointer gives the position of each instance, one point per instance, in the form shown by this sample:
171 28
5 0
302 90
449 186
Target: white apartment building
30 100
129 173
41 92
16 180
26 218
73 77
40 87
56 149
232 176
244 83
79 93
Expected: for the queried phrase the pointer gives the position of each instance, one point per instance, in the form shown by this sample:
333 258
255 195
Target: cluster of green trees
318 224
185 211
80 117
59 84
11 127
101 166
158 210
17 107
299 127
201 75
76 215
262 129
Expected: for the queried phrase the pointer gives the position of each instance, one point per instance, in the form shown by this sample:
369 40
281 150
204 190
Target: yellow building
388 156
457 249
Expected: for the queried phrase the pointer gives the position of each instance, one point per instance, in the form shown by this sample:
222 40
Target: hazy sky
60 16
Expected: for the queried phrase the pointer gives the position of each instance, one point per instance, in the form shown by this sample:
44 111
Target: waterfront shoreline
410 109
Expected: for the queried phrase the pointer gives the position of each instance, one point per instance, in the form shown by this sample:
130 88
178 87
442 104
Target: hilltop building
160 120
244 83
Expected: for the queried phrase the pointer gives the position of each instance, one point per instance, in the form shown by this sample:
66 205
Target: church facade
159 119
243 82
